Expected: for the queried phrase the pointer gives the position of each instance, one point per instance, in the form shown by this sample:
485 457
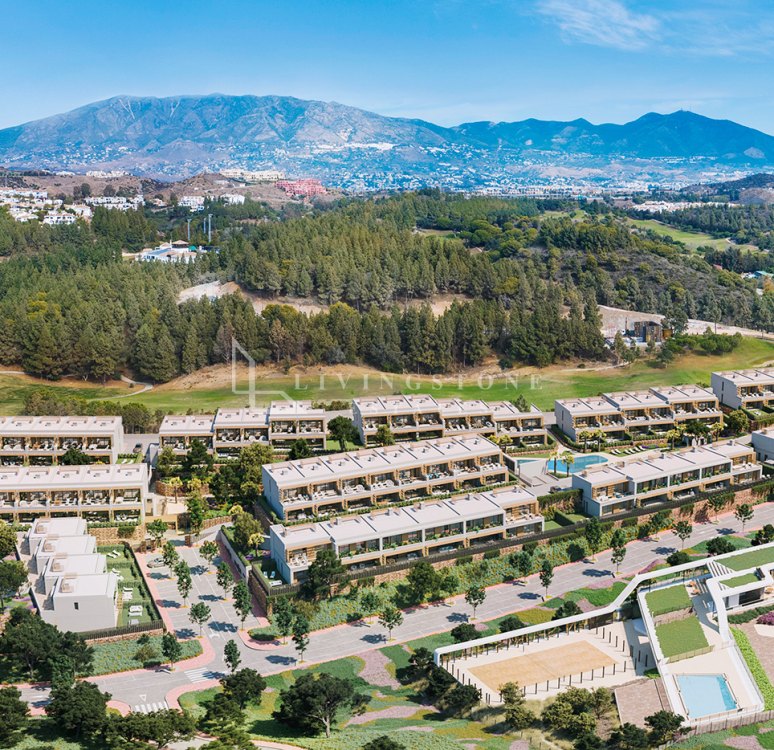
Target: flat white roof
748 377
447 407
680 393
75 564
294 410
62 526
93 476
584 406
82 544
246 417
374 405
370 460
60 426
86 585
186 424
639 470
635 399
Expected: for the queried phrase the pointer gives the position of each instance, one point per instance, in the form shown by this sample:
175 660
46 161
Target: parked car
156 562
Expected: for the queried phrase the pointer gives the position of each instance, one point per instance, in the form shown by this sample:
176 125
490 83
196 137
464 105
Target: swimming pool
580 463
705 694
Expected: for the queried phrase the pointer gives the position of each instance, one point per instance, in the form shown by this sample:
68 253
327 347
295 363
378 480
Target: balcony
13 445
228 436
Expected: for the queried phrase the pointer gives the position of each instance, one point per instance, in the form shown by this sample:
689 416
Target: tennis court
543 665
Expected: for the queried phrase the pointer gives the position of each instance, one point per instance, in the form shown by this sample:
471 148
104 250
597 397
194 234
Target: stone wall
109 535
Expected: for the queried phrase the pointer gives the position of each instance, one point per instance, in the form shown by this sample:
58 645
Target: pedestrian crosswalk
146 708
199 675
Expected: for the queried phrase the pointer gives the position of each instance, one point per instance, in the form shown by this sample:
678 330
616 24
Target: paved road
149 687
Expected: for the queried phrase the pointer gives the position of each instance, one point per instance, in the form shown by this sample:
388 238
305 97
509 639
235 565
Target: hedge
749 615
755 667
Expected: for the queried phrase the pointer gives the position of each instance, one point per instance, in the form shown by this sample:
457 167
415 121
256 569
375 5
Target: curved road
141 689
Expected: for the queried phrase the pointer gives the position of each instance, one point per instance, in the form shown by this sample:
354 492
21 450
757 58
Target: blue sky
447 61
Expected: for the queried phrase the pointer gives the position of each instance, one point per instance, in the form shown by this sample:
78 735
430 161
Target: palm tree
697 429
584 436
569 459
672 436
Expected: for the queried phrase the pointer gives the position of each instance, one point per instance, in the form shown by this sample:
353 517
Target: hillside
180 136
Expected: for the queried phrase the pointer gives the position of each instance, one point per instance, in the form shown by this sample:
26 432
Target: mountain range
178 136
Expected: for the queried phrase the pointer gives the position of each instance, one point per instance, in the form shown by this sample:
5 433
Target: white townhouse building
748 389
371 477
44 440
420 416
391 535
637 413
617 487
96 492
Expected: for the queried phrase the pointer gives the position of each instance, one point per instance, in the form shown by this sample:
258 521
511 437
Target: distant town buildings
193 203
112 174
246 175
302 188
232 199
116 202
178 251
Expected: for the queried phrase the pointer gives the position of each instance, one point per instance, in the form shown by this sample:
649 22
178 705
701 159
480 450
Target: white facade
44 440
334 484
617 487
389 535
750 389
98 492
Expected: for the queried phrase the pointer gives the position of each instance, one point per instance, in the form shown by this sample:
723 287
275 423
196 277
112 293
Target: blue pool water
580 463
705 694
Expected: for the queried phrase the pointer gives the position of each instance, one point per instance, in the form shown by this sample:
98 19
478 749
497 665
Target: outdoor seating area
136 605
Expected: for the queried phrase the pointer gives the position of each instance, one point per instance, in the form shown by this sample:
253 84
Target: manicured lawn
681 637
669 599
751 559
742 580
690 239
739 542
542 386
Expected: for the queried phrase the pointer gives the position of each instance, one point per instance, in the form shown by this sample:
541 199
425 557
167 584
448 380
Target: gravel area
744 743
375 670
393 712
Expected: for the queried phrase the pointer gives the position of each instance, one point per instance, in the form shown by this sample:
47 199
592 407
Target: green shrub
749 615
466 560
755 667
491 554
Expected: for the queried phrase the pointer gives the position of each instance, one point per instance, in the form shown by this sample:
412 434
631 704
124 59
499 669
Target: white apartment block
763 442
178 432
44 440
59 217
372 477
74 589
97 492
192 202
637 413
115 202
748 389
391 535
229 430
417 417
617 487
232 199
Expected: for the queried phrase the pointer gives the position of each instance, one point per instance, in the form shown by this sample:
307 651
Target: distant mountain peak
180 135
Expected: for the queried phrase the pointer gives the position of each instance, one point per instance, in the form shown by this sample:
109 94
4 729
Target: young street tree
592 532
184 582
156 530
546 576
743 514
209 551
314 704
370 602
683 531
171 649
169 555
390 618
199 615
301 636
232 656
225 578
618 544
475 597
283 617
243 602
522 563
